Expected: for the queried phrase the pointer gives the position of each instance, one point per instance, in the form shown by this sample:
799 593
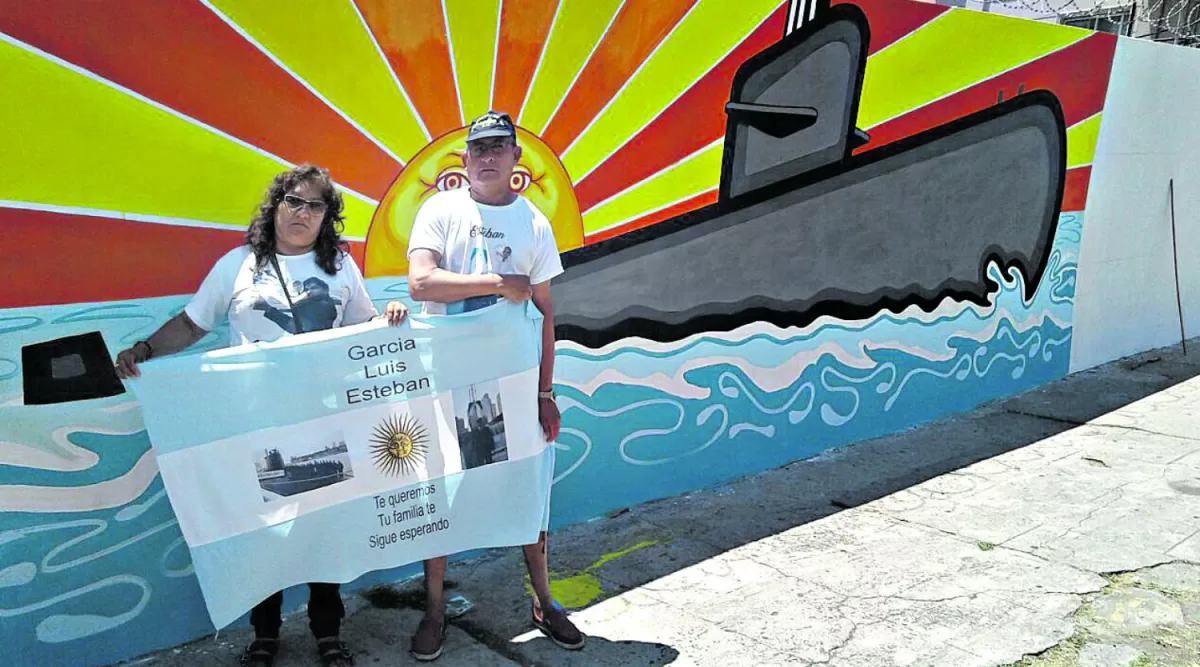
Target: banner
328 455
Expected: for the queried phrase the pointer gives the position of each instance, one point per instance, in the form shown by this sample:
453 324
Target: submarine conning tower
794 105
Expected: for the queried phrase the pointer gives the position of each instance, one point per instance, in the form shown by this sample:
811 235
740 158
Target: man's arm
548 414
428 282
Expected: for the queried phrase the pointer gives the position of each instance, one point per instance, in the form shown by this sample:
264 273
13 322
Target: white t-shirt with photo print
253 299
477 238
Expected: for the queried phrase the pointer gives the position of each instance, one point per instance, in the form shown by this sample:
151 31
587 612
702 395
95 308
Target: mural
787 226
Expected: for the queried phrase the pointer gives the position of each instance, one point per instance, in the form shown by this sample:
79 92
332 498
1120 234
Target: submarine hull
914 222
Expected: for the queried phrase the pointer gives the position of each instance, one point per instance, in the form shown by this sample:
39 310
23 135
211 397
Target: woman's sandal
260 653
334 652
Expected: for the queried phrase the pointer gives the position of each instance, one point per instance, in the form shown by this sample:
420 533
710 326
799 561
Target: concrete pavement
1057 528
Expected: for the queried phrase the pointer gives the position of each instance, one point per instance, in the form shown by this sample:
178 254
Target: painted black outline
759 309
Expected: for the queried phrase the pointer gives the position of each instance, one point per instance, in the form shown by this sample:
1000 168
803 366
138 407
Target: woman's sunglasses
297 203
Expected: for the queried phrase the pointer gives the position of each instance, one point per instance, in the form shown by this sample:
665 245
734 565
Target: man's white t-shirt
253 299
477 238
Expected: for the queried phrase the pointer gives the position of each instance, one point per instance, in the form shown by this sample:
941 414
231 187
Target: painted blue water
80 585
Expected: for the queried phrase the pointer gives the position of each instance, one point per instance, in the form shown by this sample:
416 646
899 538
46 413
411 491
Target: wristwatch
547 394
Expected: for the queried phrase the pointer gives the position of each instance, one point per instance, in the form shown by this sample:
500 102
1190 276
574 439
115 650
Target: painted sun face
439 166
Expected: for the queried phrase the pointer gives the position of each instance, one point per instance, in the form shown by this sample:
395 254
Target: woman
293 241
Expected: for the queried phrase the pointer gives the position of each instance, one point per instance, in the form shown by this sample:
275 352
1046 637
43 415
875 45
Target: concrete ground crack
1057 420
1120 427
1119 494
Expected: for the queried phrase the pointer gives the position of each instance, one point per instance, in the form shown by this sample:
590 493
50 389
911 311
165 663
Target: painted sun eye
519 181
451 179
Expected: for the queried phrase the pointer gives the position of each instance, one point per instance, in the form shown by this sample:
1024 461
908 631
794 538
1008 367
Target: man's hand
549 418
515 287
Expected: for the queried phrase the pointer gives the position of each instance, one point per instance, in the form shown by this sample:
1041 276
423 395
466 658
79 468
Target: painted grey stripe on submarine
913 227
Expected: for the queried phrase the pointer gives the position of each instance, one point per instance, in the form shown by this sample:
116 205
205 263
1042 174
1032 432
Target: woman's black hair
329 246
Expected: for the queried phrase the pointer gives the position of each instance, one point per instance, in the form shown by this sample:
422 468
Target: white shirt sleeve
210 303
358 308
429 228
547 263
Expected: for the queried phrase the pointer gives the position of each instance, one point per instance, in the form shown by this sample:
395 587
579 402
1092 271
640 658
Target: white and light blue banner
325 456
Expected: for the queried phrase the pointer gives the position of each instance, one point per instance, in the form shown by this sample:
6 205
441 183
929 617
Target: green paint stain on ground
581 589
577 591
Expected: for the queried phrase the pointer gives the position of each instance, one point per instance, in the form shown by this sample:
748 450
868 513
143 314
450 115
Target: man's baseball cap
491 124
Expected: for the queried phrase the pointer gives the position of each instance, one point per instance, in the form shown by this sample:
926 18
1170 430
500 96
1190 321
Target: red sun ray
415 44
182 55
1076 191
890 20
638 28
524 29
84 275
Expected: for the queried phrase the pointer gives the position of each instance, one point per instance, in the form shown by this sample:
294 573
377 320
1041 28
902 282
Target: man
469 247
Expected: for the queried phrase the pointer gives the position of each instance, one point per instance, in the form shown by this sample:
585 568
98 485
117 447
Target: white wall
1150 133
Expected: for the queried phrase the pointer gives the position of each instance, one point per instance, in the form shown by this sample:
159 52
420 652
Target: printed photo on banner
302 466
479 419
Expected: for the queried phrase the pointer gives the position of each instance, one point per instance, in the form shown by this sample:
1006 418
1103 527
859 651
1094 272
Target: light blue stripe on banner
196 399
493 506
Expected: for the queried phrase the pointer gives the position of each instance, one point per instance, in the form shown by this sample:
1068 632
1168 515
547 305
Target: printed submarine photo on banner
829 232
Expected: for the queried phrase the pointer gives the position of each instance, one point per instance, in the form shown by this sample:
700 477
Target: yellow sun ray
77 141
1081 141
472 26
956 50
697 173
575 34
705 35
352 76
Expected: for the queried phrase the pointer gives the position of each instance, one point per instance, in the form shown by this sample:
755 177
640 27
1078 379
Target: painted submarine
803 228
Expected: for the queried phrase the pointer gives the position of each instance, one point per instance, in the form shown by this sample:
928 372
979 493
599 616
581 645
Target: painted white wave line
768 379
27 456
72 458
102 495
857 358
1020 326
120 407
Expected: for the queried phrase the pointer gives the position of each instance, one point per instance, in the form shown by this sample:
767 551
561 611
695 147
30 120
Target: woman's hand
128 359
395 312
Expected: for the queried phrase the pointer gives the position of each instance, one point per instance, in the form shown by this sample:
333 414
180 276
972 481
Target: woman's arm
178 333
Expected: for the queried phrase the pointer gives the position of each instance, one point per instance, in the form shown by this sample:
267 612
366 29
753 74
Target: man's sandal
260 653
553 623
334 652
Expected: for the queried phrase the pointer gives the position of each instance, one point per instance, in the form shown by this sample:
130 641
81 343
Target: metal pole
1175 260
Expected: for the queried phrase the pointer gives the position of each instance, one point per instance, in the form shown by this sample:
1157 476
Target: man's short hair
492 124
